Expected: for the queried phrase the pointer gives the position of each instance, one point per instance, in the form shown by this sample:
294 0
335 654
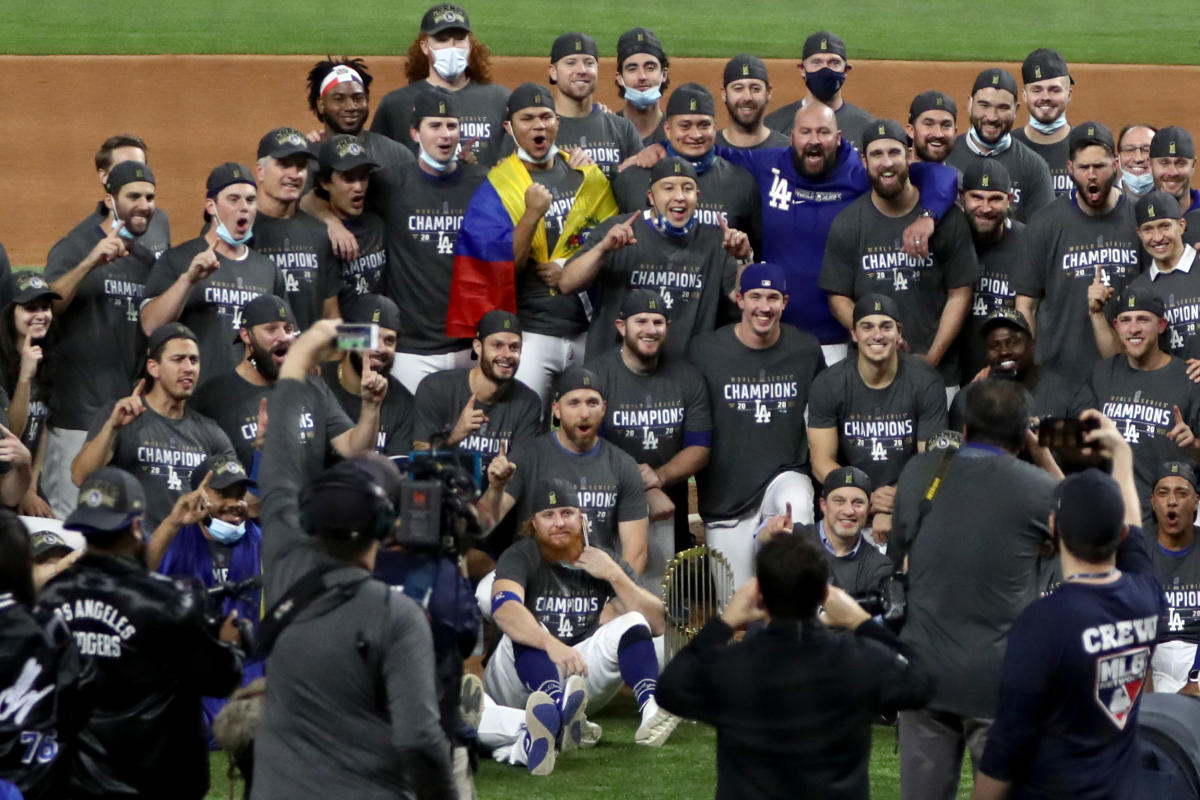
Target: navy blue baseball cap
763 276
109 500
1090 508
554 493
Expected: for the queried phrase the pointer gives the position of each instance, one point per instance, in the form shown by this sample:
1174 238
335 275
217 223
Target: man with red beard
205 282
608 479
237 398
932 124
152 433
569 609
1092 230
986 197
746 93
484 408
863 255
1146 391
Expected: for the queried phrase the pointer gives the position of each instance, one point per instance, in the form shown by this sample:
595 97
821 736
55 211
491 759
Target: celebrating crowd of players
780 309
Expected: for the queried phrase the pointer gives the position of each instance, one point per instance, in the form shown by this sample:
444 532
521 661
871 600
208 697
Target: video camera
214 609
437 497
889 602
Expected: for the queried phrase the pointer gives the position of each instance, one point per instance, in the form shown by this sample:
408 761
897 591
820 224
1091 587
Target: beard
264 362
828 157
888 191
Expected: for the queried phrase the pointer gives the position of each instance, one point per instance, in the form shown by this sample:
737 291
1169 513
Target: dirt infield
197 111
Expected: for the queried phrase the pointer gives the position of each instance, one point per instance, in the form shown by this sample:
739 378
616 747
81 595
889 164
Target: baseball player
1173 163
205 282
824 67
570 608
114 150
643 76
1133 148
1047 94
666 250
1091 231
728 193
1161 228
932 124
875 411
863 256
659 414
758 372
342 181
295 241
339 95
446 55
574 71
993 109
986 198
1177 567
746 92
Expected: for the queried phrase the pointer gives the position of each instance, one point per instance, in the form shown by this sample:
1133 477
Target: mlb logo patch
1119 679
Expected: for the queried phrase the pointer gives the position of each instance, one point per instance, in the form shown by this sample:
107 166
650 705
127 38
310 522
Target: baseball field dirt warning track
197 111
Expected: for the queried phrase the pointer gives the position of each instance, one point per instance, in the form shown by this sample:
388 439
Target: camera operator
802 730
153 651
974 549
1067 720
41 677
351 706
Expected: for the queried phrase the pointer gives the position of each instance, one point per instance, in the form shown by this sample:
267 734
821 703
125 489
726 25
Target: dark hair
322 175
996 412
103 540
10 357
479 61
16 559
104 154
323 68
156 355
792 576
1130 127
1087 549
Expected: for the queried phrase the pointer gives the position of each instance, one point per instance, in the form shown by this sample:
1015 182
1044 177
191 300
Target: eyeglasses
1128 149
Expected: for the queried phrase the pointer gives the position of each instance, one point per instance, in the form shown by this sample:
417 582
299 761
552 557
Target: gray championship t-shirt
1053 396
1032 187
606 137
878 429
566 599
851 120
364 274
162 453
692 273
727 192
863 256
607 479
481 116
100 346
1179 290
232 402
758 398
1178 571
1141 404
300 248
395 413
542 309
653 417
775 139
972 568
421 216
213 309
511 418
992 292
1063 247
1056 156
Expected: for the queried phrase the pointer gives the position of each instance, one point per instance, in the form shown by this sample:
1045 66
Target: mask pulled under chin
546 159
641 99
221 531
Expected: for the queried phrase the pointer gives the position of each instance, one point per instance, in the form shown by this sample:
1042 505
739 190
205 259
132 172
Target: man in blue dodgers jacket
803 188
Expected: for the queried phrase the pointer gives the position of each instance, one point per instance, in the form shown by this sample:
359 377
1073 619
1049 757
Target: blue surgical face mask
641 99
1137 184
450 62
1048 127
433 163
225 533
674 231
124 231
824 83
228 238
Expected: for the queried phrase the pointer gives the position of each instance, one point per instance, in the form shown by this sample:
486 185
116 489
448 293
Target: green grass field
1100 31
683 768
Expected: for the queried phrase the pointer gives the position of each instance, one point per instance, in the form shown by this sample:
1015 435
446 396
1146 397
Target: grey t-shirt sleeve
522 456
516 565
165 272
823 406
932 417
632 503
697 414
1029 273
961 262
428 406
841 253
1083 399
337 421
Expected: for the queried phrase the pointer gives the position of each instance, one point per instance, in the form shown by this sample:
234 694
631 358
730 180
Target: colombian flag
484 276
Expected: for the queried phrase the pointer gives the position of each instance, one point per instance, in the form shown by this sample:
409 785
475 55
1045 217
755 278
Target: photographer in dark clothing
351 707
153 653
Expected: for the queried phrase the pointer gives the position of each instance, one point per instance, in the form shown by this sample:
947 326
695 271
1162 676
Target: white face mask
451 62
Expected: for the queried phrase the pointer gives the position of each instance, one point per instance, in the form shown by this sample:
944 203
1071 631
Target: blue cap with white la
763 276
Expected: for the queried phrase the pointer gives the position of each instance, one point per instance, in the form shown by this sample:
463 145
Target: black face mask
824 83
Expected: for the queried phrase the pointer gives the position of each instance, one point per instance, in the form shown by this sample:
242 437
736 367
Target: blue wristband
500 598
